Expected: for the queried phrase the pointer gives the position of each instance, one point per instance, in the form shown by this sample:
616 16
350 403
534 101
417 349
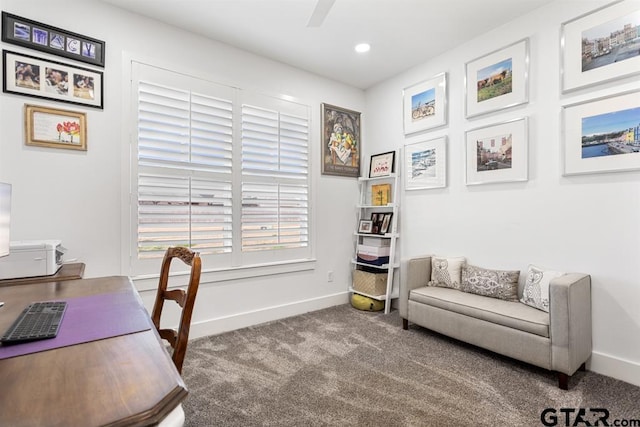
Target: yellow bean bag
365 303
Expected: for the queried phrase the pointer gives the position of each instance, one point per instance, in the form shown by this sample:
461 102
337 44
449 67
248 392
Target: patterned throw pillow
490 283
536 288
446 272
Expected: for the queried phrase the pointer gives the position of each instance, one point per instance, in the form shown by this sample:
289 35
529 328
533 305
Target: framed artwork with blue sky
425 104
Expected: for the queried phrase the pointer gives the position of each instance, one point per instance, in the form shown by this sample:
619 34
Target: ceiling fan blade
320 12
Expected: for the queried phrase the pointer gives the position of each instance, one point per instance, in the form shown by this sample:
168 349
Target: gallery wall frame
600 46
42 78
497 80
341 143
497 153
46 38
424 104
426 164
602 135
55 128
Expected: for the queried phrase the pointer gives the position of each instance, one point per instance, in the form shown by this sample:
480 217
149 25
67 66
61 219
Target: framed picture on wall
497 153
426 164
425 104
497 80
55 128
602 135
600 46
341 144
45 38
41 78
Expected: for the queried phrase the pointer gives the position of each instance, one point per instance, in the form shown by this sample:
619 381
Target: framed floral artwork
54 128
341 144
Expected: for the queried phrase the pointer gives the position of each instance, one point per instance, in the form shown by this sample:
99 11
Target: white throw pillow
446 272
536 287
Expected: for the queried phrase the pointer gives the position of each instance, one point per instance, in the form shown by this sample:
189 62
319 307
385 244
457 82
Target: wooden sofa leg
583 367
563 381
405 324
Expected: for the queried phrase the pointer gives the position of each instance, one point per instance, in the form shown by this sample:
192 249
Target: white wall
80 197
580 223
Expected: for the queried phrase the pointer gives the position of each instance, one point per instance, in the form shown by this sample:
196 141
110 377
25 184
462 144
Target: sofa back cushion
501 284
446 272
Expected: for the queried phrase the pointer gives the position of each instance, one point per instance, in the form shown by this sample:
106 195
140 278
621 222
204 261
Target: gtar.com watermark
572 417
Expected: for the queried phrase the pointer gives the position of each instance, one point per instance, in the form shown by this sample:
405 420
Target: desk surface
124 380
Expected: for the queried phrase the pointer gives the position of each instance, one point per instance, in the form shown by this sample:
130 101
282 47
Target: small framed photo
341 145
365 226
386 223
41 78
425 104
497 80
602 135
426 164
54 128
382 164
600 46
45 38
497 153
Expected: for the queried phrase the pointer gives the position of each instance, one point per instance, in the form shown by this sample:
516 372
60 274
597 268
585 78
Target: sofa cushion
512 314
446 272
536 288
500 284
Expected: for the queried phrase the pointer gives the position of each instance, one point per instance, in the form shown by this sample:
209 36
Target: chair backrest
177 338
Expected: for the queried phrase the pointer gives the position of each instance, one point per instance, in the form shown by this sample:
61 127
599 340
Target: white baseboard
242 320
611 366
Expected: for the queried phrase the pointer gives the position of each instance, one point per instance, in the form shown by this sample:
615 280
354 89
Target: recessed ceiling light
362 47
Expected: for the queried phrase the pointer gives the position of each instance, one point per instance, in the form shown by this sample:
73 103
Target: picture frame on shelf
386 222
426 164
600 46
365 226
425 104
497 153
376 222
55 128
56 41
42 78
380 194
497 80
601 135
382 164
341 143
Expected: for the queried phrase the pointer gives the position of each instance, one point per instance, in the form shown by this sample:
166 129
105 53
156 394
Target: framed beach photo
41 78
602 135
341 144
497 153
45 38
55 128
600 46
426 164
497 80
425 104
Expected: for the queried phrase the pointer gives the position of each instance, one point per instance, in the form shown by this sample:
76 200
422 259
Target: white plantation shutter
184 171
217 169
275 179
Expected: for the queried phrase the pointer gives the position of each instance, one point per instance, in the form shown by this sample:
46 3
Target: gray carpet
344 367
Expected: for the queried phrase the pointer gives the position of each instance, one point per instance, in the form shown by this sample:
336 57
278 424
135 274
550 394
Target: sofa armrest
418 274
570 321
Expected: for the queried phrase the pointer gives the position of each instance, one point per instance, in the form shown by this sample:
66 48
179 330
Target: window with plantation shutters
218 170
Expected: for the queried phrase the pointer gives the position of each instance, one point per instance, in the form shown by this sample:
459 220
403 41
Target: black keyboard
38 321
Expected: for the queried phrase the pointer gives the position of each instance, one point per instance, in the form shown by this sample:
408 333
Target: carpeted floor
344 367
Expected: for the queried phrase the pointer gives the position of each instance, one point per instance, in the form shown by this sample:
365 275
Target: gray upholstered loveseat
559 340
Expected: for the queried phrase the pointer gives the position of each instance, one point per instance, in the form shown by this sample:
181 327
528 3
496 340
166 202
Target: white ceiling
402 33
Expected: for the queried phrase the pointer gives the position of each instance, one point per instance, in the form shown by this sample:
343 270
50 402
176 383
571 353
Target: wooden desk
125 380
66 272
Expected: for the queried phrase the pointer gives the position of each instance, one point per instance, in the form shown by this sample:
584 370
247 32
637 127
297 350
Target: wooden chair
177 338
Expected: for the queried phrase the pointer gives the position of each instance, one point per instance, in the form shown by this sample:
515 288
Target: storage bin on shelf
369 282
374 255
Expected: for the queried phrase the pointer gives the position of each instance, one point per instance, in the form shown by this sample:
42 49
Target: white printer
31 258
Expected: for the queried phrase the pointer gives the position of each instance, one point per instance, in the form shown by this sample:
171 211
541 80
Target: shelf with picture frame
376 234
